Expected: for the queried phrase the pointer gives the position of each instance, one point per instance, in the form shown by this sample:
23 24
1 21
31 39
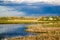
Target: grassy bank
26 22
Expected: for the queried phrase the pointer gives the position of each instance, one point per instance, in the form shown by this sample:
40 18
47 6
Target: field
29 20
17 21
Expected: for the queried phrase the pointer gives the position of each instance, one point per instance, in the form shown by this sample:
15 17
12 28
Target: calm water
8 30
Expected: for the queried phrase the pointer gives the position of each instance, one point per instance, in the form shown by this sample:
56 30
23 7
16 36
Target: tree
3 18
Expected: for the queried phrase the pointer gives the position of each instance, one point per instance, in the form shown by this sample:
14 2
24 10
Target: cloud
7 11
29 9
57 2
39 9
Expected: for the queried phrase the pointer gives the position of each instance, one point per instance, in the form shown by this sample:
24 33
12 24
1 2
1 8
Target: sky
29 7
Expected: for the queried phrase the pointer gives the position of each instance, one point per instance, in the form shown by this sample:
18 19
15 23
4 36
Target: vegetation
38 37
44 32
43 28
49 18
29 20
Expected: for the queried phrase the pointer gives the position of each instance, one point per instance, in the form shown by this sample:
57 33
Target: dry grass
38 37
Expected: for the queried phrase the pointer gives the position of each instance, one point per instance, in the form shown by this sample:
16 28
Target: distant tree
21 17
3 18
13 17
44 18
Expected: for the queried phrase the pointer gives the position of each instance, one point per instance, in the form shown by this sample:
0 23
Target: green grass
26 22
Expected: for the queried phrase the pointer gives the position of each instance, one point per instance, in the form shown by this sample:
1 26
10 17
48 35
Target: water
9 30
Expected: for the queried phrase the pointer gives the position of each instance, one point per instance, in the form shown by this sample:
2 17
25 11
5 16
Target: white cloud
7 11
33 1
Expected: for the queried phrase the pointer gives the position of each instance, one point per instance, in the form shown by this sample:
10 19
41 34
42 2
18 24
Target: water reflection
8 30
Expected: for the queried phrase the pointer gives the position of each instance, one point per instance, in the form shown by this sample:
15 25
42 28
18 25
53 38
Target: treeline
41 18
49 18
20 18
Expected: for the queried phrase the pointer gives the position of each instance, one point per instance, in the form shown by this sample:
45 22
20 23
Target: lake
10 30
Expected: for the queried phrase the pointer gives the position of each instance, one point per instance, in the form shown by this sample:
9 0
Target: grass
17 21
46 31
38 37
25 22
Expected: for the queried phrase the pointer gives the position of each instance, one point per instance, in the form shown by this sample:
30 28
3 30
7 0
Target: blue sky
29 8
